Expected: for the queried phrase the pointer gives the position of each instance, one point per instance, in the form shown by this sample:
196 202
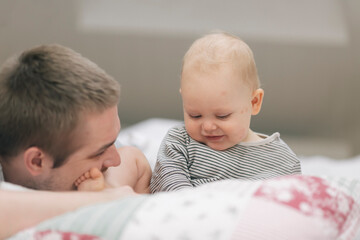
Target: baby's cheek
244 110
195 135
192 129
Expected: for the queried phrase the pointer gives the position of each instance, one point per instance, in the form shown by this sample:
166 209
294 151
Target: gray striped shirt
1 174
183 162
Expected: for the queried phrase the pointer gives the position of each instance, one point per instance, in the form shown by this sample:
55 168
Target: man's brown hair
42 93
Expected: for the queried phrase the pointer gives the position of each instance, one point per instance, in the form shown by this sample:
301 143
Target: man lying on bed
59 120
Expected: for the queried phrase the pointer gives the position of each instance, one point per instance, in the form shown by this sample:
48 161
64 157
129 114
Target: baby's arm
133 157
134 170
171 170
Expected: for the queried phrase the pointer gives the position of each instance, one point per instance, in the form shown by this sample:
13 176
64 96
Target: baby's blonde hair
212 51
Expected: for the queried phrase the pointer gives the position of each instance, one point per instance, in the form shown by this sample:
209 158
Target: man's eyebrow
103 148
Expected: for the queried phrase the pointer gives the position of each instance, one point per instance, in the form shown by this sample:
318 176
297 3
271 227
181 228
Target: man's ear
256 101
36 161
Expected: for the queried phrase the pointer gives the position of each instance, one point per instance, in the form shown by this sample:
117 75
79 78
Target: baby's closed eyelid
194 115
223 116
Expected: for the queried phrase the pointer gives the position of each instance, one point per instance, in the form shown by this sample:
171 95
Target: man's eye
100 153
223 116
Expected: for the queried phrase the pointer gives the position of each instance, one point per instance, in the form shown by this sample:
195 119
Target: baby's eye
194 116
223 116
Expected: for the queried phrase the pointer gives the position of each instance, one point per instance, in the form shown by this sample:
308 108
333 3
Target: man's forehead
97 129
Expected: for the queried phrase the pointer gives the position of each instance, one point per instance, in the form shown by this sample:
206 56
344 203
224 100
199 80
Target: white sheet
147 136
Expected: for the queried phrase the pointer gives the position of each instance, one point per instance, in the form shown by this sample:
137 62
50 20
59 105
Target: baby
220 91
134 171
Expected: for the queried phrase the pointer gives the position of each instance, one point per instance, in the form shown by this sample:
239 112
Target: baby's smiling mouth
214 137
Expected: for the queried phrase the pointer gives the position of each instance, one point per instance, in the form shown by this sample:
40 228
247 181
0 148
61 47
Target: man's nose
112 158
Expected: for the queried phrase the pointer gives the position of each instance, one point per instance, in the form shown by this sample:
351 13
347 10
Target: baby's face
217 107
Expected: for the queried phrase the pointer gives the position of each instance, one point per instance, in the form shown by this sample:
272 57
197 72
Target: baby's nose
209 126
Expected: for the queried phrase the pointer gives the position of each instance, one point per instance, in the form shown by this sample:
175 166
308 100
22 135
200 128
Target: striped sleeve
1 174
171 169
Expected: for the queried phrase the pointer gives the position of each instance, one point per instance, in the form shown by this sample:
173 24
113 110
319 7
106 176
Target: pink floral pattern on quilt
299 207
311 196
58 235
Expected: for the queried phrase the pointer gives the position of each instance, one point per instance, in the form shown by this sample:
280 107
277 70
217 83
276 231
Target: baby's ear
256 101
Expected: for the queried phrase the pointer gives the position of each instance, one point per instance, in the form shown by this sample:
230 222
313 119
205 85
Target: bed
323 203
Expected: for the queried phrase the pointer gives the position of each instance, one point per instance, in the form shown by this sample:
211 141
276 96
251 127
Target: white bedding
147 135
295 207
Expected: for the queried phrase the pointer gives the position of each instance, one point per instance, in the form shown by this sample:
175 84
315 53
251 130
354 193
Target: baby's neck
252 137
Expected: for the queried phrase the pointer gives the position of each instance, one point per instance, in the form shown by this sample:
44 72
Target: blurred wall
311 85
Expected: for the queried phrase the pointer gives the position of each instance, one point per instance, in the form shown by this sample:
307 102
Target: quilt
292 207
